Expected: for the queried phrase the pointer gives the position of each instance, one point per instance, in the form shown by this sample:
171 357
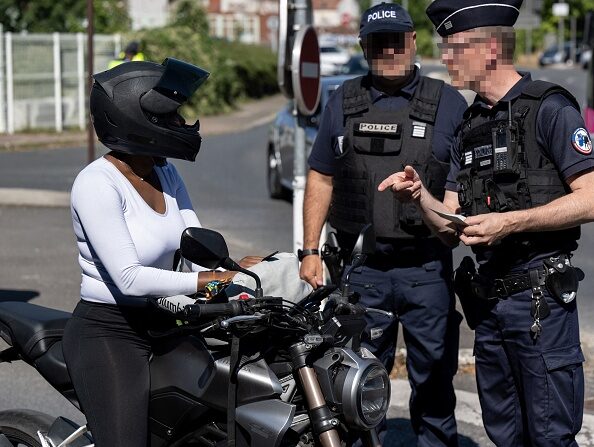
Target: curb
34 197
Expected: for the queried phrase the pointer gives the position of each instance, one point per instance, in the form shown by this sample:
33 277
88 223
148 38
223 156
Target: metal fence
43 79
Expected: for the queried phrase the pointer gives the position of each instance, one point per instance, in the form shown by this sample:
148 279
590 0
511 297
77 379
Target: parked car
281 139
356 65
553 55
331 59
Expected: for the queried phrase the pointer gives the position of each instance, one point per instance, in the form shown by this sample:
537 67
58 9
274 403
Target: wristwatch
306 252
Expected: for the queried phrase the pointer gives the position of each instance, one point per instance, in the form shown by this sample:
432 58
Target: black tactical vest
502 168
376 144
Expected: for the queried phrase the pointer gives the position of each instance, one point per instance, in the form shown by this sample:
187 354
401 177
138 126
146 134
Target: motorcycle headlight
355 385
373 395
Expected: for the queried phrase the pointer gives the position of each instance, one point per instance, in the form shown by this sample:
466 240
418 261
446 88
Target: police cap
385 18
453 16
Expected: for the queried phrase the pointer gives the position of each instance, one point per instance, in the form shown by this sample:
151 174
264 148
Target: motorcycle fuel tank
186 379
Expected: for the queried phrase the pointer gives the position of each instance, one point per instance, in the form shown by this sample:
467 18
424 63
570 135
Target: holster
473 307
333 258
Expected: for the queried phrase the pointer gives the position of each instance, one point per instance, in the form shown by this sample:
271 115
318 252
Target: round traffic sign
305 70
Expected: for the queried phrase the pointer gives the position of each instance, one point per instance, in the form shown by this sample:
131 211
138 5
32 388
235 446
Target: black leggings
107 351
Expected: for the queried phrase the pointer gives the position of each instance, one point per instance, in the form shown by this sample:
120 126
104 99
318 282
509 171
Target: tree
66 16
577 9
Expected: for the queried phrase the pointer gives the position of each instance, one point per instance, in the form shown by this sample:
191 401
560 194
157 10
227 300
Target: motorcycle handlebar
206 311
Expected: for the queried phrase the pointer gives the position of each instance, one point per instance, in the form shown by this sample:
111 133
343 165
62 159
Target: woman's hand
213 275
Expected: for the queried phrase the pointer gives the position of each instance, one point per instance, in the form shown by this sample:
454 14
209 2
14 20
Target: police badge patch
581 141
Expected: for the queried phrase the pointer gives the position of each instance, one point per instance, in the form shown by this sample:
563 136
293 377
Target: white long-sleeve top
125 247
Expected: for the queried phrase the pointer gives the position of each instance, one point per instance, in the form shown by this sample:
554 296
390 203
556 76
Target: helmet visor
178 82
180 79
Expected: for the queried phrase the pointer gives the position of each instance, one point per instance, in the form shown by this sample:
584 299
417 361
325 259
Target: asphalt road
228 187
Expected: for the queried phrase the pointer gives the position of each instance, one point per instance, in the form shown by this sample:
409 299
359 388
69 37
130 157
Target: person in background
131 53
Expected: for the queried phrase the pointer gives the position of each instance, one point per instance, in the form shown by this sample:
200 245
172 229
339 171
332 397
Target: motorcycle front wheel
21 426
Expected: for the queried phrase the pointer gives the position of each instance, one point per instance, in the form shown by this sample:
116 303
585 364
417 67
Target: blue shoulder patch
581 141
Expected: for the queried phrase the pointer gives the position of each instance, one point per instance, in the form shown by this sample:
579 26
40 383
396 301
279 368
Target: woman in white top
129 209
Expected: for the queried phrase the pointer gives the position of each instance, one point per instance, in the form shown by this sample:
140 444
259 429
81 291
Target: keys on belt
499 288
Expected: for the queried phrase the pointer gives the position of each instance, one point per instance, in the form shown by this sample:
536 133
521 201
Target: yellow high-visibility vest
121 60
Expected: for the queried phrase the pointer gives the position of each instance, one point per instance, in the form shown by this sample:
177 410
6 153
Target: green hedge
237 71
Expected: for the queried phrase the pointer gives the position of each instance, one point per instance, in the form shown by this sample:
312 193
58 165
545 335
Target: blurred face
467 56
390 55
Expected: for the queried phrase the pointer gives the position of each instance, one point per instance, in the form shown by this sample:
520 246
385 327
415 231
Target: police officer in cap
522 170
372 126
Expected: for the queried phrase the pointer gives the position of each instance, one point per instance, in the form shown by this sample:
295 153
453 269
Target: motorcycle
216 380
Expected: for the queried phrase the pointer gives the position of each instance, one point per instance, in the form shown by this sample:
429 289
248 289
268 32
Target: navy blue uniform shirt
328 142
556 123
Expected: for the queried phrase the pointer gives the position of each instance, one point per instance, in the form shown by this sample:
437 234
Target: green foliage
577 9
237 70
423 26
66 16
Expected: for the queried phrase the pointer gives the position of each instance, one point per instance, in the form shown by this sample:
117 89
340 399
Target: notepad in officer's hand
458 219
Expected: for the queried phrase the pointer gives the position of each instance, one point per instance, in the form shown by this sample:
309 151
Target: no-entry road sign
305 70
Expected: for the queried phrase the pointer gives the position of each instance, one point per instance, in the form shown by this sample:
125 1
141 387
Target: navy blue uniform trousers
531 391
422 299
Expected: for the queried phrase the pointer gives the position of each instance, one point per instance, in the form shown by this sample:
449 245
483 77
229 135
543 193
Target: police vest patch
387 129
581 141
418 129
483 151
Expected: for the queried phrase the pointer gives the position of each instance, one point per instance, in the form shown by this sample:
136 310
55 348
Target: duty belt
487 288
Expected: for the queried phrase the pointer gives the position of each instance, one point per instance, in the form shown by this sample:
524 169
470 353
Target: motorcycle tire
21 426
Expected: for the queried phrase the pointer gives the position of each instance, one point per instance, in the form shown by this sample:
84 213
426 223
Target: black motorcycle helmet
134 108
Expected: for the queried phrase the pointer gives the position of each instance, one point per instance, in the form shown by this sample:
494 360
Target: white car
332 59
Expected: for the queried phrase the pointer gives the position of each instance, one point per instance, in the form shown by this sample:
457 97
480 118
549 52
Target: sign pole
90 51
305 73
295 16
299 173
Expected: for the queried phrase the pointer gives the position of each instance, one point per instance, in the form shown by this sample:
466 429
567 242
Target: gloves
279 276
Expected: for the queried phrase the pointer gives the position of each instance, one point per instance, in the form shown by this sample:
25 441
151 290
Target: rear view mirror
209 249
204 247
364 246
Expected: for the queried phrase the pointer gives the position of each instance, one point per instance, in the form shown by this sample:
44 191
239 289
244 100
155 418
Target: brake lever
240 319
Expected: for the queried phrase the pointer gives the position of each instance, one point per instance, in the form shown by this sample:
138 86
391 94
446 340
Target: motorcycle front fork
318 410
322 421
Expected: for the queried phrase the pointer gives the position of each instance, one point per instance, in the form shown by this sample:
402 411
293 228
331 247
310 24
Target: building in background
148 14
249 21
246 21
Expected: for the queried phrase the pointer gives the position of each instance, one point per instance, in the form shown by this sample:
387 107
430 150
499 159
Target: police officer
371 126
522 170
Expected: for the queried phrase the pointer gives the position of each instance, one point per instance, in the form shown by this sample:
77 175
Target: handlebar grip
206 311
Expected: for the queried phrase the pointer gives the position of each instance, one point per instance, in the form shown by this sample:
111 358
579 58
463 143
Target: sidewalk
250 114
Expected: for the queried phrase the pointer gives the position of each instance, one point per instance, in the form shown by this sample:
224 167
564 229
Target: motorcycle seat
30 328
